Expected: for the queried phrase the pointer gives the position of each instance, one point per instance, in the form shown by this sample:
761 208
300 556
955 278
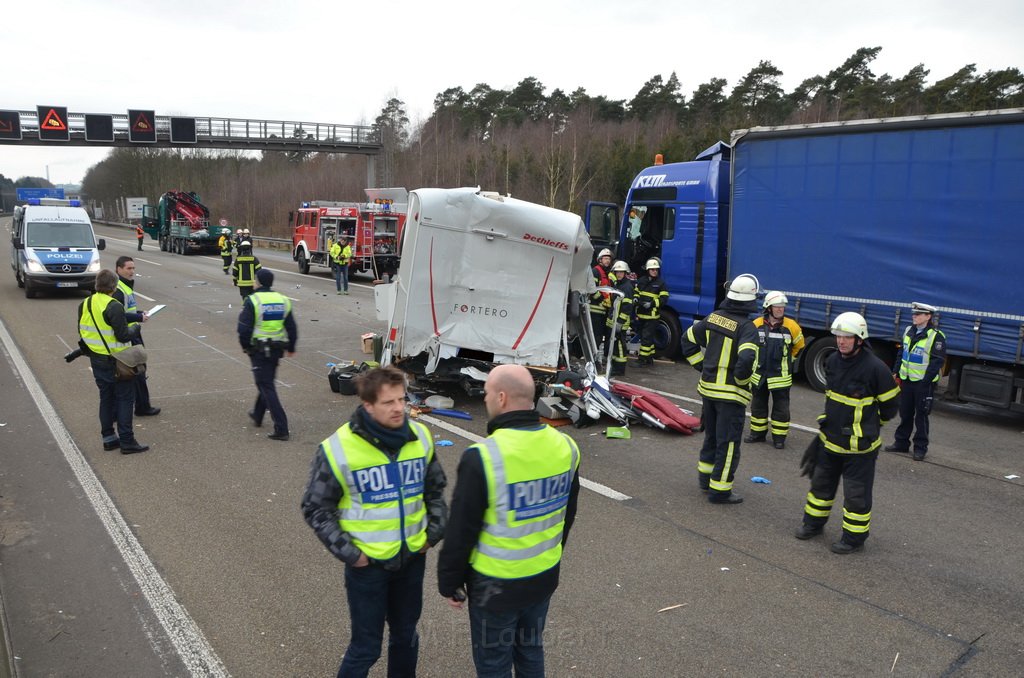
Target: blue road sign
32 193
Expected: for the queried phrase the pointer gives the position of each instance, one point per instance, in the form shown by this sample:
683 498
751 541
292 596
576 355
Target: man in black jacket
102 333
514 503
125 293
375 499
724 383
860 396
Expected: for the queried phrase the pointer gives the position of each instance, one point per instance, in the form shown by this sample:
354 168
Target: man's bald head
508 388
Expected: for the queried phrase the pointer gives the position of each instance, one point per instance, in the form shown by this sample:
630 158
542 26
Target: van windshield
44 234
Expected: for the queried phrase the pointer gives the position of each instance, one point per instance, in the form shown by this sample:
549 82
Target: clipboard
156 309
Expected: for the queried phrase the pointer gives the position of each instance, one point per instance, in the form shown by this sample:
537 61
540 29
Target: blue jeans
375 596
117 400
502 639
341 276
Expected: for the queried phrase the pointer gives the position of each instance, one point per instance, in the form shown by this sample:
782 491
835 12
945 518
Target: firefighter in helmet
621 281
599 303
860 396
226 245
650 295
727 365
244 269
781 339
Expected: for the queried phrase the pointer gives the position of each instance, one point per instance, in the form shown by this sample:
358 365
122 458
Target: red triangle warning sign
54 122
6 125
142 123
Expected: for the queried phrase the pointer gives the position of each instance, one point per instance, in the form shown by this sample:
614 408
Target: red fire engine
373 229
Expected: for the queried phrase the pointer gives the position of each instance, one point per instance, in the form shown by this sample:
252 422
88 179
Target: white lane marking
801 427
195 651
469 435
146 261
143 296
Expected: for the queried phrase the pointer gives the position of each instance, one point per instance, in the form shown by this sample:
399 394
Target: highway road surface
193 558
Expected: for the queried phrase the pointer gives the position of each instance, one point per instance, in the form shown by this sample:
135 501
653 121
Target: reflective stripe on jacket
529 475
382 505
860 396
130 305
269 312
654 291
94 334
917 353
728 362
779 346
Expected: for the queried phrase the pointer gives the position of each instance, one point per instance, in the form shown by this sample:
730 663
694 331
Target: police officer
621 281
920 361
727 365
267 330
599 302
226 245
860 395
375 498
513 506
103 332
243 271
781 339
125 293
651 294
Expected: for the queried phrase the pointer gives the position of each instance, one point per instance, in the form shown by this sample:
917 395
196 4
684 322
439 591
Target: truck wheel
303 263
666 337
814 361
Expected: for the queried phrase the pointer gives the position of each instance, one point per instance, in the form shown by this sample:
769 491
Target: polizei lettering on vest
532 498
376 483
557 244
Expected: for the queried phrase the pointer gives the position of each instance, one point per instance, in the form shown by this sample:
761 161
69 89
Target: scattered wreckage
487 279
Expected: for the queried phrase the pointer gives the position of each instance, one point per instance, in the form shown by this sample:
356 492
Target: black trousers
720 454
915 404
647 329
597 320
858 474
759 411
226 258
264 372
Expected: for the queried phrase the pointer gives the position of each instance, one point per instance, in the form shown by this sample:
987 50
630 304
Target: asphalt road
251 592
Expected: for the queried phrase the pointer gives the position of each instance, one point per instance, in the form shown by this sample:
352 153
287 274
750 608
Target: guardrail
257 240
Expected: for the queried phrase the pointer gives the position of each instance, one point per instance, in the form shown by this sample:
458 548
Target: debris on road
672 607
762 481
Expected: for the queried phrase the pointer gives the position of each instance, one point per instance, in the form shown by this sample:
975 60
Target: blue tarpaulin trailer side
870 215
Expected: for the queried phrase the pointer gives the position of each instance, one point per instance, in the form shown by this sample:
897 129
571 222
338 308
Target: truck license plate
67 284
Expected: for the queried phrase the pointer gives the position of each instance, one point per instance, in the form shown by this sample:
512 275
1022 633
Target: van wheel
30 290
19 279
814 361
303 263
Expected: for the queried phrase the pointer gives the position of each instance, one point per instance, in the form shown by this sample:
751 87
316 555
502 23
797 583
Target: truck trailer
865 216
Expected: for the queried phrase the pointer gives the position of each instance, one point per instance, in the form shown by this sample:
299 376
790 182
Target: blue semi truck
866 216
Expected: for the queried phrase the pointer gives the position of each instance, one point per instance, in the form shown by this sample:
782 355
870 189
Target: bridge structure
54 125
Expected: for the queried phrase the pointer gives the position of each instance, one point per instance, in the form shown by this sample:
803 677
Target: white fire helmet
620 267
775 299
744 287
653 262
605 253
850 324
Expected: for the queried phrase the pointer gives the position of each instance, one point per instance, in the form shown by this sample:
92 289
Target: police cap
918 307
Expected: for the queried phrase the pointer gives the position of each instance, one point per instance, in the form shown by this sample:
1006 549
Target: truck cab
678 213
53 246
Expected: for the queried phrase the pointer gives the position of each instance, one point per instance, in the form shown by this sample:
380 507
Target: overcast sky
339 62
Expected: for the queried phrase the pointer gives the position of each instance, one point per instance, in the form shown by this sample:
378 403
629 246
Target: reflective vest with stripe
94 334
382 505
269 311
779 346
130 305
916 356
529 475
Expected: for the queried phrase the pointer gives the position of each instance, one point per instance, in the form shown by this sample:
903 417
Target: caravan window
44 234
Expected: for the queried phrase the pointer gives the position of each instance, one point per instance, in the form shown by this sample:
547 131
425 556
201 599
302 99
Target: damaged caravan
487 279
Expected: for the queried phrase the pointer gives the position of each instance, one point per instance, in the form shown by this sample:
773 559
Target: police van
53 246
